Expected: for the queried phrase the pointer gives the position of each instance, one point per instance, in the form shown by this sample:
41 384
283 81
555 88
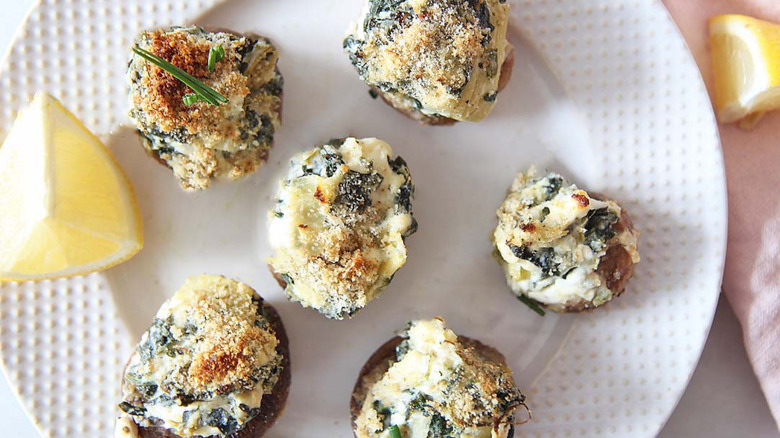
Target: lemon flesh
66 207
746 66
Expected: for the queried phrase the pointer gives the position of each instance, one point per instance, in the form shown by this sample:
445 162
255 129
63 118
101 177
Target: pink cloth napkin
752 278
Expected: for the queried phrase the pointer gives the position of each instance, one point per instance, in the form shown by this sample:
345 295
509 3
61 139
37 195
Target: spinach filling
158 341
599 228
325 162
355 189
223 421
544 258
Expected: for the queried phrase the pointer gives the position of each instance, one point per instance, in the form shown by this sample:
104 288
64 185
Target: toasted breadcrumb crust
211 349
203 142
339 226
442 57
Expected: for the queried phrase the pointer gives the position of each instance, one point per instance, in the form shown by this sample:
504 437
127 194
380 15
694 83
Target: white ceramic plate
605 92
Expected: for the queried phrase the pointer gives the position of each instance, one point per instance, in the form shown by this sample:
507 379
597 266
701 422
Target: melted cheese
204 366
442 57
547 243
338 230
437 384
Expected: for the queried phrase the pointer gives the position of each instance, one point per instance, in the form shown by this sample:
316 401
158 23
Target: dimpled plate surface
603 91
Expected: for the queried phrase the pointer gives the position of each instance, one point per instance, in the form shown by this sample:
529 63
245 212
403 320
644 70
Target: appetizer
561 247
207 104
436 61
338 229
215 363
430 382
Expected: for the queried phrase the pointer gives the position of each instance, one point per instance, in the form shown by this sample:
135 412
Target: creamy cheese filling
438 387
203 367
339 225
442 57
551 237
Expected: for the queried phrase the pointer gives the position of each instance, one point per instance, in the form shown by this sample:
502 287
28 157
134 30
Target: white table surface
723 399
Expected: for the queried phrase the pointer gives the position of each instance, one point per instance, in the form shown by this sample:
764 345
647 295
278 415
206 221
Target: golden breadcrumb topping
230 347
442 57
446 39
163 98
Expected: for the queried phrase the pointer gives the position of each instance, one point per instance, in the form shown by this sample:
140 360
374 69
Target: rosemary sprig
395 432
190 99
216 54
202 91
532 304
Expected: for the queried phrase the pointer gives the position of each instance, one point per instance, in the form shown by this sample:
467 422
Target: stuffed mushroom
561 247
340 223
437 61
215 363
430 382
200 140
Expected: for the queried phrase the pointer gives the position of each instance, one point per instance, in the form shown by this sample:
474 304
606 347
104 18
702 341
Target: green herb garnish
203 91
216 54
532 304
190 99
395 432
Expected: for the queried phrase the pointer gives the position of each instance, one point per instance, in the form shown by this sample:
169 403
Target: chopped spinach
132 410
326 161
252 412
483 16
490 97
412 228
220 419
401 350
243 51
553 186
440 427
542 257
354 191
543 215
148 389
384 414
267 130
420 402
275 86
491 63
158 339
599 228
403 198
508 394
398 165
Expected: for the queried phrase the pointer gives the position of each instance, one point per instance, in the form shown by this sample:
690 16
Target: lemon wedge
66 207
746 64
